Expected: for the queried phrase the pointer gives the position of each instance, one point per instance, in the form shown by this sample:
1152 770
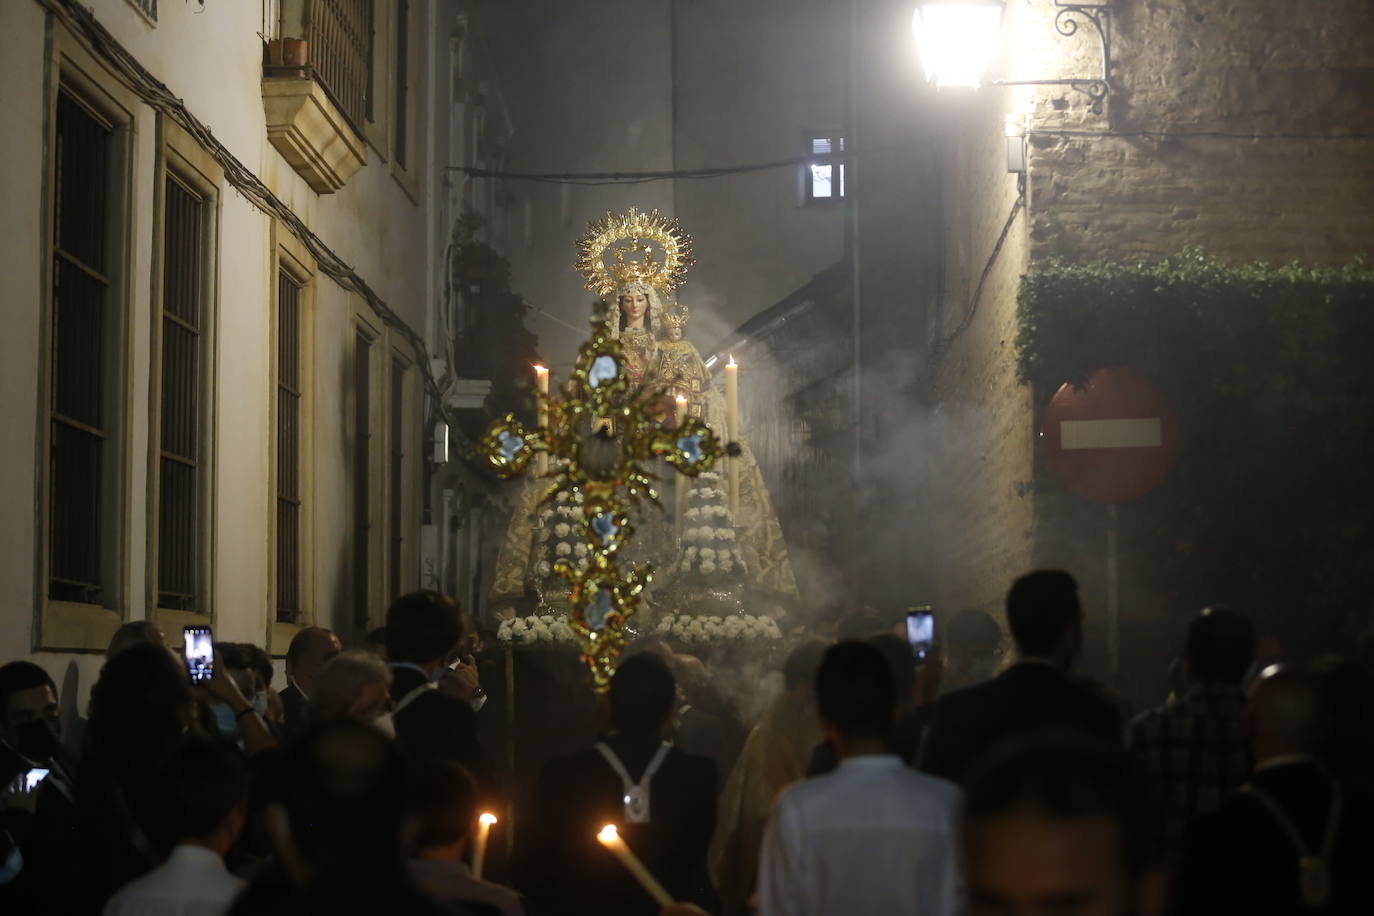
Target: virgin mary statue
750 554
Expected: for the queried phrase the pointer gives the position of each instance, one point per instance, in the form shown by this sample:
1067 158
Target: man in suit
662 800
307 654
1034 693
1292 839
433 710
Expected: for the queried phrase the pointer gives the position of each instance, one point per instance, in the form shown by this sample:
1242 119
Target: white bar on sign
1144 433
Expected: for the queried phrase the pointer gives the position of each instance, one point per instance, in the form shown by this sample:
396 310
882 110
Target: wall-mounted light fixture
1016 142
957 38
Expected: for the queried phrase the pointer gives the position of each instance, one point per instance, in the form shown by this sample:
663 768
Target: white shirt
192 882
873 837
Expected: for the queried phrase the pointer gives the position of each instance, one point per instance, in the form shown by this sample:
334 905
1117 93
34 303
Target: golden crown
679 319
632 238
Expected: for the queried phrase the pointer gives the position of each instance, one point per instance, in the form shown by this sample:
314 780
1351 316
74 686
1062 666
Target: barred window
82 364
339 36
402 66
396 472
288 448
146 7
362 468
181 402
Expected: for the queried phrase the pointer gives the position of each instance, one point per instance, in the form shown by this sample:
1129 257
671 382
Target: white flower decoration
563 549
692 513
562 497
707 567
707 553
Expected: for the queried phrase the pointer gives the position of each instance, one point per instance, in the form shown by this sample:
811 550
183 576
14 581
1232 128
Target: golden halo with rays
639 231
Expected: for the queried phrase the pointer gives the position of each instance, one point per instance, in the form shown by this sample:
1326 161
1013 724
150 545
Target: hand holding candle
610 838
479 851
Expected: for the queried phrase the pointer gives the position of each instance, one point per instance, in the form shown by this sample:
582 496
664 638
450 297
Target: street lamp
956 39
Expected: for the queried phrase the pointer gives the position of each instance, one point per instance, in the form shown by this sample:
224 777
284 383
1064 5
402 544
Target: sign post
1112 441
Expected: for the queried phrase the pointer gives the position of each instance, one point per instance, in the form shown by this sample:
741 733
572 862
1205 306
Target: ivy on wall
1271 371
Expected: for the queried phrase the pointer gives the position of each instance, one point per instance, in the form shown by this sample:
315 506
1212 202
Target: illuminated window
823 173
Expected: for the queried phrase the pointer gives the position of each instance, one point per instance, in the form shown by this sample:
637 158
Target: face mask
385 724
36 740
260 705
225 721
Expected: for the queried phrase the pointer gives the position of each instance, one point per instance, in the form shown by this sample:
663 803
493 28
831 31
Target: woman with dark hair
140 709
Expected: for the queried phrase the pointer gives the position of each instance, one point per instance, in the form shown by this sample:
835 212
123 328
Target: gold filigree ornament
676 320
619 250
601 600
600 432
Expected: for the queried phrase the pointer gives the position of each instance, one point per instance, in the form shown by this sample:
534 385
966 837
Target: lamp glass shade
956 40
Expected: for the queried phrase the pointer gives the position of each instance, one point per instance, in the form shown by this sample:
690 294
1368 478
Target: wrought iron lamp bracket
1096 89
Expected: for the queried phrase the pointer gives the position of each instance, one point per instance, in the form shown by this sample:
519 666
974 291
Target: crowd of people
871 784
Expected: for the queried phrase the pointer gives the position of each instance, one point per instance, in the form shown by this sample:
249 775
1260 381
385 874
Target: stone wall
1268 108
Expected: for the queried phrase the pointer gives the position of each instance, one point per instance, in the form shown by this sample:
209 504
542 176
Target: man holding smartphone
37 792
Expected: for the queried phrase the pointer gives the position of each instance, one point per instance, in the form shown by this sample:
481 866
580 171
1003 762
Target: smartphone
200 653
920 631
33 777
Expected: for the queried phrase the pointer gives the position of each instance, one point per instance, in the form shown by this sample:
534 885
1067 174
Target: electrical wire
941 348
597 179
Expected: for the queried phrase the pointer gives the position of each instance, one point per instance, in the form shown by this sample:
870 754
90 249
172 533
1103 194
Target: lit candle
732 429
541 383
610 838
681 413
479 852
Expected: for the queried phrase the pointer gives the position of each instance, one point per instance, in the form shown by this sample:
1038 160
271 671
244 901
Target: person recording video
37 791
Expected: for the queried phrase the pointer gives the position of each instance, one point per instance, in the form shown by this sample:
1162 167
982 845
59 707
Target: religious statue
693 539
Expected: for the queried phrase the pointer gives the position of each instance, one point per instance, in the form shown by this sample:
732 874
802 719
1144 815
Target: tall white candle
732 430
610 838
680 410
541 382
479 851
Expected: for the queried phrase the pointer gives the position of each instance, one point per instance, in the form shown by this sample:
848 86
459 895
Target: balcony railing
337 50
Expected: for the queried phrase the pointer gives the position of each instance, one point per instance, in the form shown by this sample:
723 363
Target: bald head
307 654
1285 714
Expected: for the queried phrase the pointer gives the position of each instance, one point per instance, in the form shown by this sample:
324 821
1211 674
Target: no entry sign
1112 441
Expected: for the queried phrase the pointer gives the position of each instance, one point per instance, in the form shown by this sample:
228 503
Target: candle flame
608 834
487 819
540 369
732 364
681 399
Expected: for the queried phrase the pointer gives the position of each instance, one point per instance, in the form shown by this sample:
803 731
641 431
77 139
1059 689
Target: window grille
179 456
339 37
823 177
146 7
362 446
396 516
288 448
80 364
402 70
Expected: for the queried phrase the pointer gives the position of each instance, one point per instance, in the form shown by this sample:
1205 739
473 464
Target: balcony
316 88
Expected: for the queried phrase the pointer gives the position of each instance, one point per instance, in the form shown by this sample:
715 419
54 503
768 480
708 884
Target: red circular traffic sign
1113 440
